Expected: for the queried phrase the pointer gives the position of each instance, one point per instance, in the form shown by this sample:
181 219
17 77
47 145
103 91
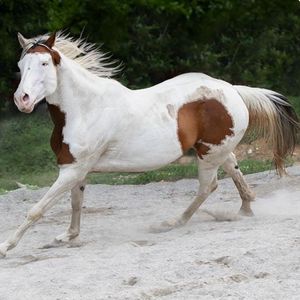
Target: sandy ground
226 257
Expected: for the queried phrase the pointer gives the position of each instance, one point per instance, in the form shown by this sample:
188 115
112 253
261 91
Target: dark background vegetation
250 42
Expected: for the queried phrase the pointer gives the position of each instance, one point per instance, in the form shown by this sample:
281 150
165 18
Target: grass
26 157
25 154
173 172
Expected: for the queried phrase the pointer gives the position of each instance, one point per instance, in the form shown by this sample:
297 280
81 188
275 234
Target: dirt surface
220 257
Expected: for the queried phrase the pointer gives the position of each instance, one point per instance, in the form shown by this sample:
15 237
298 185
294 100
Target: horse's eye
44 64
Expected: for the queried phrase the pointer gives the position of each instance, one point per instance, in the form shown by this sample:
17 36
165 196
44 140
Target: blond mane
88 55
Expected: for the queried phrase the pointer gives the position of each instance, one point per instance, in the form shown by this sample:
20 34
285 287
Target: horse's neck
79 91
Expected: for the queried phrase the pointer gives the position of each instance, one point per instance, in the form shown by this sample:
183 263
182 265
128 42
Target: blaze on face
38 73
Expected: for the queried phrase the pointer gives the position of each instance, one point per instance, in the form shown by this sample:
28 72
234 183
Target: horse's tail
273 118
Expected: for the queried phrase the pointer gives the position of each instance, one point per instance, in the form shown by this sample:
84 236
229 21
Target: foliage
247 42
24 150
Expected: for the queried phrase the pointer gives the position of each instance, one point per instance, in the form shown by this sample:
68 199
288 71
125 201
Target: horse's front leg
68 177
76 202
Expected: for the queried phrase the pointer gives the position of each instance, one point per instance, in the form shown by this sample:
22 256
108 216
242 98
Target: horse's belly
150 151
136 162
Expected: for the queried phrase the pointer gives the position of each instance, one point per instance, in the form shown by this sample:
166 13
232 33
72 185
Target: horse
102 126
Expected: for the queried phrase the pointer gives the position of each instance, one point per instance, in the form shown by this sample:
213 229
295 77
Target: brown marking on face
41 49
60 148
201 122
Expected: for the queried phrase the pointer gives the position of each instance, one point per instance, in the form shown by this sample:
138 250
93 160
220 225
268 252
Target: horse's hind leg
231 168
208 183
76 202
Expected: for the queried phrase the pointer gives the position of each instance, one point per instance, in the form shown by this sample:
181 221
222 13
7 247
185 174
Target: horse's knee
77 197
76 207
230 166
34 214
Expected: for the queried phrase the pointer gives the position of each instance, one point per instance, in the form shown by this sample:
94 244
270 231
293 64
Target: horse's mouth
28 109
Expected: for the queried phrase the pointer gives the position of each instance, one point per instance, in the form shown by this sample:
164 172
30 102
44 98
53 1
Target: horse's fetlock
12 244
34 214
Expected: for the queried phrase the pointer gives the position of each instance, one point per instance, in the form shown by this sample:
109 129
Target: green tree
253 42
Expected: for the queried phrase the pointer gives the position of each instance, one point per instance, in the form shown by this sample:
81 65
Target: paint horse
102 126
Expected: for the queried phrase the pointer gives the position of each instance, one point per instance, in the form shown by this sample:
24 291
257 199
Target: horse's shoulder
60 149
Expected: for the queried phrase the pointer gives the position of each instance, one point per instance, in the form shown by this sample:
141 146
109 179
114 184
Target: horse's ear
23 41
51 40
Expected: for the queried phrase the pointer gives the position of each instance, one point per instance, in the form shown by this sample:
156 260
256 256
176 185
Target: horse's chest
61 149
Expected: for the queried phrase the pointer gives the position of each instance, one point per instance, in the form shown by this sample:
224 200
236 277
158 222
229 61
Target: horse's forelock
42 48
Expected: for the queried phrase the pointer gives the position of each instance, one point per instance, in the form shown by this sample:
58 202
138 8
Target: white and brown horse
102 126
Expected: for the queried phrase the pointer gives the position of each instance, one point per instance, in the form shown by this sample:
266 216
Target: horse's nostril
25 98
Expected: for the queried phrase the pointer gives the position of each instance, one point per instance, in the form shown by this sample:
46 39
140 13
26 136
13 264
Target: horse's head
38 72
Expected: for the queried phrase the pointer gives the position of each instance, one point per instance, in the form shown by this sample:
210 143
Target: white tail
273 118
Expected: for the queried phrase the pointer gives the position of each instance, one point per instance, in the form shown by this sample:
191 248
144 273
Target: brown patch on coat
60 148
43 49
201 122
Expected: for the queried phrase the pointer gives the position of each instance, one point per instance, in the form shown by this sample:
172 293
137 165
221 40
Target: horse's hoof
246 212
3 251
165 226
66 237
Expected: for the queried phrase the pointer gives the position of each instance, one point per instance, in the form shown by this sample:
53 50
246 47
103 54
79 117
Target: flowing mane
88 55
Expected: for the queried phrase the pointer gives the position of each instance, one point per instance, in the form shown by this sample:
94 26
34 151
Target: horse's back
191 87
186 79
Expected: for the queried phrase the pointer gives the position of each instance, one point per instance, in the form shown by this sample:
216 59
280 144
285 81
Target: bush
246 42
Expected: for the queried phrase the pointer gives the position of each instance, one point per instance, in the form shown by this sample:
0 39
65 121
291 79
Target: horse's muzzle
24 103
